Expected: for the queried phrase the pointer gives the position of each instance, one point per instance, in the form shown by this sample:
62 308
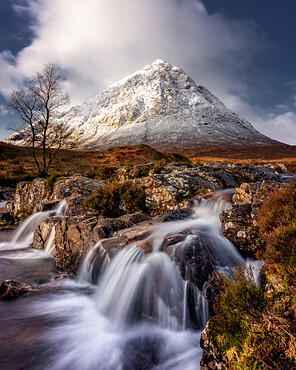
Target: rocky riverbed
183 204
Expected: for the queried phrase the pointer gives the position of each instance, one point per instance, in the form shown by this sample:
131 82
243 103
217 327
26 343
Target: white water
50 243
2 203
22 237
127 310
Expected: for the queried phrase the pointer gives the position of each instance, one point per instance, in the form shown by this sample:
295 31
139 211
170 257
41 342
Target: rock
239 224
38 196
73 186
10 289
75 235
7 218
46 206
164 191
28 195
211 359
43 231
7 193
138 232
194 261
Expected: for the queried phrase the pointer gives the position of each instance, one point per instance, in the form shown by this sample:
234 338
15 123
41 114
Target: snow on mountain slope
159 105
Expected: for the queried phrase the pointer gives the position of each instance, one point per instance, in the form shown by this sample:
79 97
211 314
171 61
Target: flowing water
125 310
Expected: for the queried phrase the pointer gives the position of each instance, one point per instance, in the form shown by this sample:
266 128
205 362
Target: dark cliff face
159 105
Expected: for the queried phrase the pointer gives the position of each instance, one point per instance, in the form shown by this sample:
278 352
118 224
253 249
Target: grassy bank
256 327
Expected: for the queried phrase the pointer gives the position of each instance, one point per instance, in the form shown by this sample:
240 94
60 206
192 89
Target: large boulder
164 191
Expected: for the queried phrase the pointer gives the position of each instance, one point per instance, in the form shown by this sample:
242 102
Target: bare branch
36 106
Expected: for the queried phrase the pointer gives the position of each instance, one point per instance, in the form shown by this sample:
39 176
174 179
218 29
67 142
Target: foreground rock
75 235
10 289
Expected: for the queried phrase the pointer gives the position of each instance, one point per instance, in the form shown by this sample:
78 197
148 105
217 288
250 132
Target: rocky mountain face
159 105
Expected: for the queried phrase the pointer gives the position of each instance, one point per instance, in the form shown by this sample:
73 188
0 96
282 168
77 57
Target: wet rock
139 232
75 235
178 214
43 231
193 259
211 359
46 206
10 289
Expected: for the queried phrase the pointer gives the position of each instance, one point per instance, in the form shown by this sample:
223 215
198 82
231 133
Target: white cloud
97 42
100 41
280 126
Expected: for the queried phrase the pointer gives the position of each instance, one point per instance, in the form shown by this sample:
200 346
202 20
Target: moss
105 172
249 328
277 226
117 199
255 327
292 167
51 180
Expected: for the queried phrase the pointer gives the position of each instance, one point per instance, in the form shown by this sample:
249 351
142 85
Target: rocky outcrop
211 359
168 186
193 259
165 187
75 235
41 194
239 224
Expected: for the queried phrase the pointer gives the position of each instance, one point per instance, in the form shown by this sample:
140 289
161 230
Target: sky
243 51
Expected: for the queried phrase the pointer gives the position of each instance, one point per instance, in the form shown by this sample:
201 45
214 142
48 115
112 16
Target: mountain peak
161 63
158 105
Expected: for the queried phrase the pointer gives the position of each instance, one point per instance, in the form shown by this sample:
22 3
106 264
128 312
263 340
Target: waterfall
127 309
50 243
94 264
22 237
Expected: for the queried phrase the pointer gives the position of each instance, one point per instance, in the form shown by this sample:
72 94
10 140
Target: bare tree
37 107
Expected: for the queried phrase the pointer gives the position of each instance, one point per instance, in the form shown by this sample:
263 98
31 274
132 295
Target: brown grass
255 153
17 164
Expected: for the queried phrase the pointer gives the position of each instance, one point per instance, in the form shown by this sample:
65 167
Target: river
131 311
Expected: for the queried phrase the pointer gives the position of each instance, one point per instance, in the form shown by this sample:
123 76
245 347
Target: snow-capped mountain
159 105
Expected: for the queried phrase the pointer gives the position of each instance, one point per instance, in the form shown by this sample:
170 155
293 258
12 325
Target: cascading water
23 235
125 310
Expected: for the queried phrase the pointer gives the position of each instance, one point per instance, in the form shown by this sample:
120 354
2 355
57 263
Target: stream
130 310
